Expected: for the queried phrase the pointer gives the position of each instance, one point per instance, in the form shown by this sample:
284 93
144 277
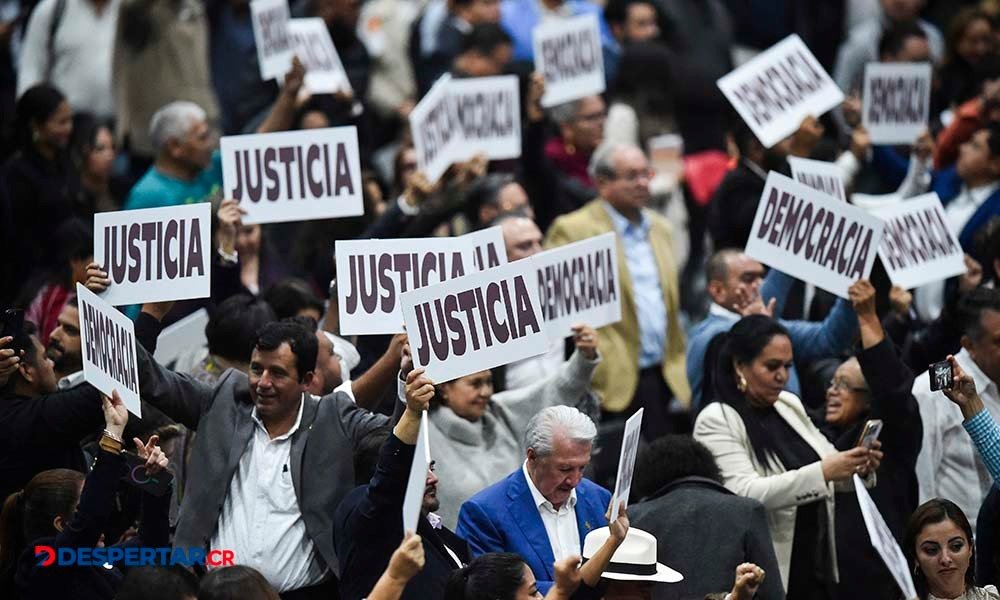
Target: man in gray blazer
270 462
702 529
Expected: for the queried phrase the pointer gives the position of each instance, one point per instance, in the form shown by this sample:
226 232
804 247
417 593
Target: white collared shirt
560 525
261 521
948 465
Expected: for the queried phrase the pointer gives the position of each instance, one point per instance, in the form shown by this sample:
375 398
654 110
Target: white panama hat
635 559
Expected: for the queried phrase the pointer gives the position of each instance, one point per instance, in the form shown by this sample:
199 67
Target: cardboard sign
883 541
416 485
294 175
626 463
826 177
311 42
579 283
779 88
475 322
797 229
436 130
181 338
896 101
270 32
489 112
107 343
155 254
917 245
568 55
371 274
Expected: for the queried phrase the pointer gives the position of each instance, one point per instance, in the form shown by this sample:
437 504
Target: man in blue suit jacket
544 510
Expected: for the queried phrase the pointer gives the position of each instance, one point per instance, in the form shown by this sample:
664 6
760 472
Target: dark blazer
504 518
704 531
322 447
368 527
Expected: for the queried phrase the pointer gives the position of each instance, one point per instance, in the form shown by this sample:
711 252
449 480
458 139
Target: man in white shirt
948 465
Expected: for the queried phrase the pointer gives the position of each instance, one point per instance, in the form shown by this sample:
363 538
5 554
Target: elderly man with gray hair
544 510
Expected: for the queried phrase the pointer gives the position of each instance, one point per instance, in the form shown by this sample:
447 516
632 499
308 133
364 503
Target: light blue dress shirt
645 274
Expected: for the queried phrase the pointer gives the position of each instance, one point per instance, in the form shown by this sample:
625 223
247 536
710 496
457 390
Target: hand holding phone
942 376
870 433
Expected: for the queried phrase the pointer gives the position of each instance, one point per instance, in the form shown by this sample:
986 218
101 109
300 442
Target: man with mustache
64 347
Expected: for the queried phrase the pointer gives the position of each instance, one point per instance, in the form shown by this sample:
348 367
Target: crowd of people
281 450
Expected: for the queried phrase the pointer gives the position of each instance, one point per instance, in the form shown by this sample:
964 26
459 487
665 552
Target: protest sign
826 177
269 19
371 274
311 42
883 541
579 283
917 245
107 343
626 463
489 113
416 484
568 55
797 229
294 175
896 101
155 254
436 130
181 338
779 88
476 322
872 202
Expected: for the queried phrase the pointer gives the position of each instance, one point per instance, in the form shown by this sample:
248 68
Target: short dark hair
74 241
289 296
233 325
236 583
616 11
717 267
986 244
484 38
485 192
158 583
491 576
668 459
894 38
301 340
972 306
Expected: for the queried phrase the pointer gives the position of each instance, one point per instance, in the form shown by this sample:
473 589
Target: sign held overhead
269 19
568 54
896 101
107 342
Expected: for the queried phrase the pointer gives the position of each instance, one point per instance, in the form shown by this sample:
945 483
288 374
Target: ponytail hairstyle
492 576
932 512
28 514
740 345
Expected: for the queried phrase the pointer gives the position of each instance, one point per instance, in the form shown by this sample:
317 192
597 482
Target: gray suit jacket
321 477
704 531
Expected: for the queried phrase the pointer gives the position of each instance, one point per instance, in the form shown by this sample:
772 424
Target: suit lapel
589 514
309 408
243 429
526 516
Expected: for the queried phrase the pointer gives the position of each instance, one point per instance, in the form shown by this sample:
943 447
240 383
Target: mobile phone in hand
942 376
870 433
13 326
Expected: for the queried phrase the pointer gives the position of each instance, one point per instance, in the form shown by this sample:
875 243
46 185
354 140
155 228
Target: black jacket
368 527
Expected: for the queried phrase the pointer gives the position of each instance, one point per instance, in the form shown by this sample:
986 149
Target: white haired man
544 510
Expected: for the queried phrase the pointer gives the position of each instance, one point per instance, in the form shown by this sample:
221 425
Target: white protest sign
626 463
436 130
883 541
270 32
294 175
917 245
568 55
896 101
371 274
311 42
155 254
181 338
871 202
416 485
797 229
475 322
826 177
779 88
489 113
107 343
579 283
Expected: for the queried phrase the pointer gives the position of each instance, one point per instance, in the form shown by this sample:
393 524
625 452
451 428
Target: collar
290 432
537 496
456 428
71 381
721 311
979 194
980 378
435 520
689 481
623 225
754 168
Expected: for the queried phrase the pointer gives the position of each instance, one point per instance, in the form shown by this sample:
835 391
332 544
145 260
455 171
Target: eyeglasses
844 386
635 176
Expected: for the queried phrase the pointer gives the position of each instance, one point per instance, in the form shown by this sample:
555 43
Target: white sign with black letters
883 541
311 42
896 101
568 55
107 344
269 19
489 113
437 132
826 177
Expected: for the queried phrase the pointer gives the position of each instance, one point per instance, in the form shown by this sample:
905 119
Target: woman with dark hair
75 252
939 548
971 59
768 449
236 583
505 576
92 149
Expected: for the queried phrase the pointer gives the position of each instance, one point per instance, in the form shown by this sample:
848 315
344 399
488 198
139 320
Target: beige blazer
721 429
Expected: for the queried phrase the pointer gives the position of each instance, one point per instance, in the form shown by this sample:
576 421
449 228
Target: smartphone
136 475
942 376
870 433
13 326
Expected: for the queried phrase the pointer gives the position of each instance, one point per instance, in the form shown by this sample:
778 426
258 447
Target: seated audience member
61 509
875 384
158 583
477 434
581 131
492 196
294 298
545 509
76 251
231 333
939 549
948 465
768 449
64 348
237 582
633 571
738 287
406 562
702 529
505 576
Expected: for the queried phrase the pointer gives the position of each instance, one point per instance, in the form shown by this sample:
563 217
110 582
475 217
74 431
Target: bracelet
116 438
110 444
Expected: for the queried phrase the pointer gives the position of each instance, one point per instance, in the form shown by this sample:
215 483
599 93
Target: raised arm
834 334
978 422
282 115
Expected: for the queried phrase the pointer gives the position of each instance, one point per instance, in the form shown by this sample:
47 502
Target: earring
741 384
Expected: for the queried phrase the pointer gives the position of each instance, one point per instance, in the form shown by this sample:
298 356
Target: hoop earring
741 383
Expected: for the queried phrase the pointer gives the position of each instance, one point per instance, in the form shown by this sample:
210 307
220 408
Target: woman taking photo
768 449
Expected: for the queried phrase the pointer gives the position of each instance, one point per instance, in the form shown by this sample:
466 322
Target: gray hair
555 420
173 122
602 161
565 112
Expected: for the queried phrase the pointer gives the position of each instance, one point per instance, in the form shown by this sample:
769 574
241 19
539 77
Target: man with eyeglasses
644 366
